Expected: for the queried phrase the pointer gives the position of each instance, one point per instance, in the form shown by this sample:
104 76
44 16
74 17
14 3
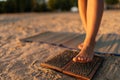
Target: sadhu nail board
63 63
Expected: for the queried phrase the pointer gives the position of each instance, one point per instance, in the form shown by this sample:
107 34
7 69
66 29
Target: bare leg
82 4
94 15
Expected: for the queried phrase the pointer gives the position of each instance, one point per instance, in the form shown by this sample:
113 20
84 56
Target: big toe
74 59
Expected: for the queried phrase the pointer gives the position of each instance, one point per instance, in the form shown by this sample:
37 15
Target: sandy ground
21 61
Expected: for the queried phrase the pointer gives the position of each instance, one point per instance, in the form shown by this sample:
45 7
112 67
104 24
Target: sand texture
21 61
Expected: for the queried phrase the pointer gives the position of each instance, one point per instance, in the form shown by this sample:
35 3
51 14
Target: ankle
90 44
88 48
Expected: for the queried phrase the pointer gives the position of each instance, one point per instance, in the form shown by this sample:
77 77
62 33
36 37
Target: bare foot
85 55
80 46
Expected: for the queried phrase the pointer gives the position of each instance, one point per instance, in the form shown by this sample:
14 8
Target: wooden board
71 40
63 63
110 69
62 39
39 37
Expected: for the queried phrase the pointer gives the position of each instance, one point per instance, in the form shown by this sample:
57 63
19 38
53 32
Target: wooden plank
73 43
39 37
108 43
64 37
110 69
54 38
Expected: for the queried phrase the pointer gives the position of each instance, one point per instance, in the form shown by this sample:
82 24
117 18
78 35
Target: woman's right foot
85 55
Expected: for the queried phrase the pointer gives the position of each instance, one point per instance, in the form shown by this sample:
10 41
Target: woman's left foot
80 46
85 55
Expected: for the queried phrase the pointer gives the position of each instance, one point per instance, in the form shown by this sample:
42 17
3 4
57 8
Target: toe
74 59
82 59
89 60
79 58
85 58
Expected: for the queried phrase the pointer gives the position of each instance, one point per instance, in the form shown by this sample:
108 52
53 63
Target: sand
21 61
